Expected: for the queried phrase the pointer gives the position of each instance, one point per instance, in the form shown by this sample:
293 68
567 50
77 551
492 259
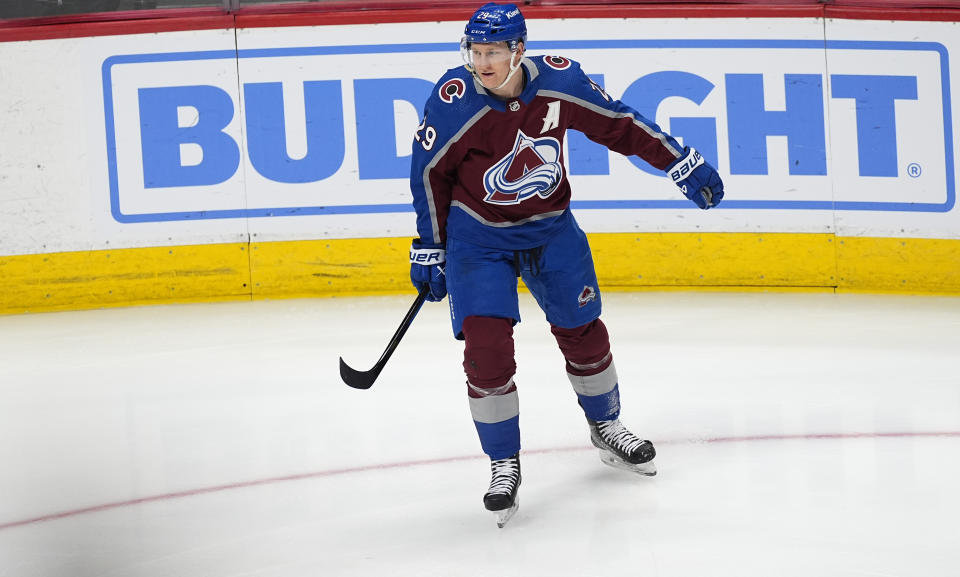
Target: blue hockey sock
500 440
603 407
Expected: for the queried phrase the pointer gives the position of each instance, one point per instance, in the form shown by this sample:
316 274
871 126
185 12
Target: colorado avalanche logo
532 168
452 89
588 294
558 62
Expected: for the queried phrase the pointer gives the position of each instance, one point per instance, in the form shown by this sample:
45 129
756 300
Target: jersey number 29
429 135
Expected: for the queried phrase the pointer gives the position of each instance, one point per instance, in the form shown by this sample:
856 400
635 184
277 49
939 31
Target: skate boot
504 482
621 449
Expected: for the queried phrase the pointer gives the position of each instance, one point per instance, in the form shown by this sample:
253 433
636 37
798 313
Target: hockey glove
426 268
697 179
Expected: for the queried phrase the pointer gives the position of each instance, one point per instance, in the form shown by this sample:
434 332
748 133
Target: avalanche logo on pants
587 295
532 168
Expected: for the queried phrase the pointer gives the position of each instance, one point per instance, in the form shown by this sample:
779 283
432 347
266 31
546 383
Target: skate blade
648 469
505 515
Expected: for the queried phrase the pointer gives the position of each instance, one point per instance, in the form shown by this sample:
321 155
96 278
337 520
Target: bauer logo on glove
685 165
697 179
427 255
426 269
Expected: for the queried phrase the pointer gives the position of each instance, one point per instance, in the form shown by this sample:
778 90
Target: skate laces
505 473
614 433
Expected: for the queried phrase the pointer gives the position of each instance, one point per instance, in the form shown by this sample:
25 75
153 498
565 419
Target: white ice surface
812 435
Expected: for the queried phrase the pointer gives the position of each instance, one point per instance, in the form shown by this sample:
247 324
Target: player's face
491 62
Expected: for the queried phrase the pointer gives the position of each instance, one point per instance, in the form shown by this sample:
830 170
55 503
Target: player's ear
521 48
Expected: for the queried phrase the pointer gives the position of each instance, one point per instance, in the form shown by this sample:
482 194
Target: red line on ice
444 460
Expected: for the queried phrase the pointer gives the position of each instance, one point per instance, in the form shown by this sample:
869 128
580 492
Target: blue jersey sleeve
431 189
448 112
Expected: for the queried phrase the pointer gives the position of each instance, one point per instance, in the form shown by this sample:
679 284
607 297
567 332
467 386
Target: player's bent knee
488 354
586 348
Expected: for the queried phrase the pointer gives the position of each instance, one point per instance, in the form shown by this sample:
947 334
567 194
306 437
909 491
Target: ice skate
501 499
621 449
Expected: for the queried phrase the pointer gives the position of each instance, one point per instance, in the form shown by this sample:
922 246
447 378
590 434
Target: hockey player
492 201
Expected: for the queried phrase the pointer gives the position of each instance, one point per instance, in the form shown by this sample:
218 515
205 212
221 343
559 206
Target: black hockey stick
364 379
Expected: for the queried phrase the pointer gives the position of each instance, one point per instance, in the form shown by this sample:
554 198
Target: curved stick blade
364 379
358 379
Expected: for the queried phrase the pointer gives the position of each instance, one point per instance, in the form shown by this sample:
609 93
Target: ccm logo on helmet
452 89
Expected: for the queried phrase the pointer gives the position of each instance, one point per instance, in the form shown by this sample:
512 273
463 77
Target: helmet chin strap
513 70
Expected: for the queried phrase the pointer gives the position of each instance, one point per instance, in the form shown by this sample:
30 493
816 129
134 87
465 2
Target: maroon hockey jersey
491 172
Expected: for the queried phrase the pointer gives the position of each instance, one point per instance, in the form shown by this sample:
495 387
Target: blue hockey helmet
496 23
